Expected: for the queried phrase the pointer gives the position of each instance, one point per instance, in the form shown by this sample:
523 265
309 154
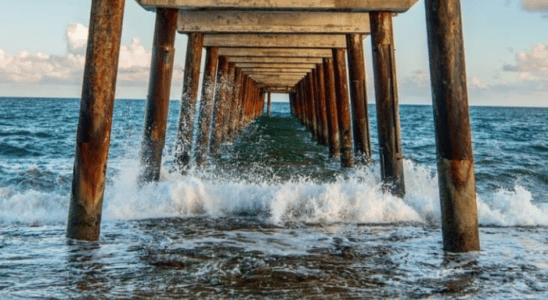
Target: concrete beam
275 60
272 22
274 52
252 40
307 5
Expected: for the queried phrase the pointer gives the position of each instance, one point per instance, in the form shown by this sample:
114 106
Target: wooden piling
343 108
386 91
269 105
331 107
317 110
159 88
206 105
185 127
95 120
456 178
312 104
234 118
231 102
358 98
220 105
324 132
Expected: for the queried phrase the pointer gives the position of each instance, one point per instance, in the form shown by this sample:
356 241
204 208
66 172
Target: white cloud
76 36
531 65
23 67
535 5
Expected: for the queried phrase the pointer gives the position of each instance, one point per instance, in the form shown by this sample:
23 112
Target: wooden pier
259 47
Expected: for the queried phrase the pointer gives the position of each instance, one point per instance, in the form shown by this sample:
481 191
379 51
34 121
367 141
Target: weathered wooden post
185 127
292 104
358 98
311 99
234 119
269 105
343 108
386 92
231 102
331 106
320 83
206 104
159 88
220 105
317 110
456 177
94 124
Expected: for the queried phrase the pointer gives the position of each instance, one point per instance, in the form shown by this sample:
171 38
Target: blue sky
506 46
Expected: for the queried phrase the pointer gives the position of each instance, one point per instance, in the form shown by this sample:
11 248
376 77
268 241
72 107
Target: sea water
272 216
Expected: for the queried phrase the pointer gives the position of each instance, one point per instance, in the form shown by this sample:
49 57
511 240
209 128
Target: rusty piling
157 106
206 105
358 98
386 91
343 108
220 105
456 177
95 120
331 107
185 127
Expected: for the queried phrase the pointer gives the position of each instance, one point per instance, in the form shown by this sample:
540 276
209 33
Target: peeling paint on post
343 108
358 98
206 105
157 106
94 124
386 92
185 127
457 182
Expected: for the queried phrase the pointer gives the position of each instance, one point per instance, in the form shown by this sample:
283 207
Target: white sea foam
356 197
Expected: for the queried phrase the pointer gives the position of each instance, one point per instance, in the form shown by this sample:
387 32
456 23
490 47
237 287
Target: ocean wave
356 197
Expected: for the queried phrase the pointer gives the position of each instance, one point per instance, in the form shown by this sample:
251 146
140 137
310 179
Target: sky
42 47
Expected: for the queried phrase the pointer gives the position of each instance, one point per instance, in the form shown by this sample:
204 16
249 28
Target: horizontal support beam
276 66
274 52
272 22
252 40
307 5
275 70
275 73
275 60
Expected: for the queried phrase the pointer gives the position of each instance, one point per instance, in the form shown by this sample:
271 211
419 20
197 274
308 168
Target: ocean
270 217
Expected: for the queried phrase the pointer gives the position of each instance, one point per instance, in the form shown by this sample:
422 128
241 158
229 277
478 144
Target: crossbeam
252 40
274 52
272 22
307 5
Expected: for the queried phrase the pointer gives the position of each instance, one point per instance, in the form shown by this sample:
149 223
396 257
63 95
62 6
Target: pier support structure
343 108
358 98
331 107
95 120
456 177
185 127
157 105
386 92
206 105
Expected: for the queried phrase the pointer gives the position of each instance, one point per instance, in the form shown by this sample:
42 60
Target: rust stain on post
453 135
94 125
358 98
324 133
159 88
189 99
386 91
343 108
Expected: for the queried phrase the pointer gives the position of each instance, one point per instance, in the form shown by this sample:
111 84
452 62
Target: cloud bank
535 5
23 67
